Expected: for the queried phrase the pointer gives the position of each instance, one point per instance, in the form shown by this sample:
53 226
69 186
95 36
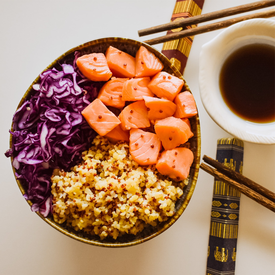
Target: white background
32 34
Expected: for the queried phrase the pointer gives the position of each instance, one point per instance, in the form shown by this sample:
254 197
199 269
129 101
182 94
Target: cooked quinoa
109 194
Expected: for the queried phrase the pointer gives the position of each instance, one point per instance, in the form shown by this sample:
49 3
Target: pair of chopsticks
246 186
208 17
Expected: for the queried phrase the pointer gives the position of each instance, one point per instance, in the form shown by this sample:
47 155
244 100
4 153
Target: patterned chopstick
222 247
178 50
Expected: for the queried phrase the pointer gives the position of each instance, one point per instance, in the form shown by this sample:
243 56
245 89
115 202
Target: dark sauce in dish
247 82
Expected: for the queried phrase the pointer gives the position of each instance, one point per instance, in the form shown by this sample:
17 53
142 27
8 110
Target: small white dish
212 56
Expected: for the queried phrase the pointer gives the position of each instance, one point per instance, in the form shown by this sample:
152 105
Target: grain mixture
109 194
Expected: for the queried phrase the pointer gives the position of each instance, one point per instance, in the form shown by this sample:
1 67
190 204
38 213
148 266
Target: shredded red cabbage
49 131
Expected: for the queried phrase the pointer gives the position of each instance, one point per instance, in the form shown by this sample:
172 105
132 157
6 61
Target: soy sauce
247 82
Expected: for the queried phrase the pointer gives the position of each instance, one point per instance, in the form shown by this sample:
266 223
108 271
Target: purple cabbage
49 131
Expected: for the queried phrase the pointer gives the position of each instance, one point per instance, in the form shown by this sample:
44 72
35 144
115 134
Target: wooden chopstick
209 27
237 181
240 178
207 17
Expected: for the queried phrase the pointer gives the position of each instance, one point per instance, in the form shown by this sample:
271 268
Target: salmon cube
134 115
172 132
147 64
187 121
111 93
118 134
100 118
94 66
120 63
144 146
165 85
175 163
135 88
159 108
186 105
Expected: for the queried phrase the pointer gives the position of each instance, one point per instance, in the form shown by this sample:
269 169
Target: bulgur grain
109 194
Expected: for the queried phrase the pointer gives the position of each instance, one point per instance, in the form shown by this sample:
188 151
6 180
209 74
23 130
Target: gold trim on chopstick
224 230
183 45
188 6
233 141
223 189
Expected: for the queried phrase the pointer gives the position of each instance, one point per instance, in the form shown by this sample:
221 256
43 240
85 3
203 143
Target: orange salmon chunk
94 66
117 134
135 88
144 147
147 64
111 93
134 115
166 85
100 118
120 63
186 105
175 163
187 121
172 132
159 108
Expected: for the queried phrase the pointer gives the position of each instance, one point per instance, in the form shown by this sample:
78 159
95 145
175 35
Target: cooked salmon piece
186 105
135 88
175 163
159 108
118 134
134 115
94 66
120 63
144 147
147 64
100 118
111 93
165 85
187 121
172 132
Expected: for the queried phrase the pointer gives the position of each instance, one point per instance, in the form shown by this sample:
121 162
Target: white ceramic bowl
212 56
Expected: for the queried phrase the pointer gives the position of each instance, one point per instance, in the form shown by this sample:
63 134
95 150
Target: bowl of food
99 155
236 78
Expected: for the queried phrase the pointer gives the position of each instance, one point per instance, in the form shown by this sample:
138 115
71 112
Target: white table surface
33 33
